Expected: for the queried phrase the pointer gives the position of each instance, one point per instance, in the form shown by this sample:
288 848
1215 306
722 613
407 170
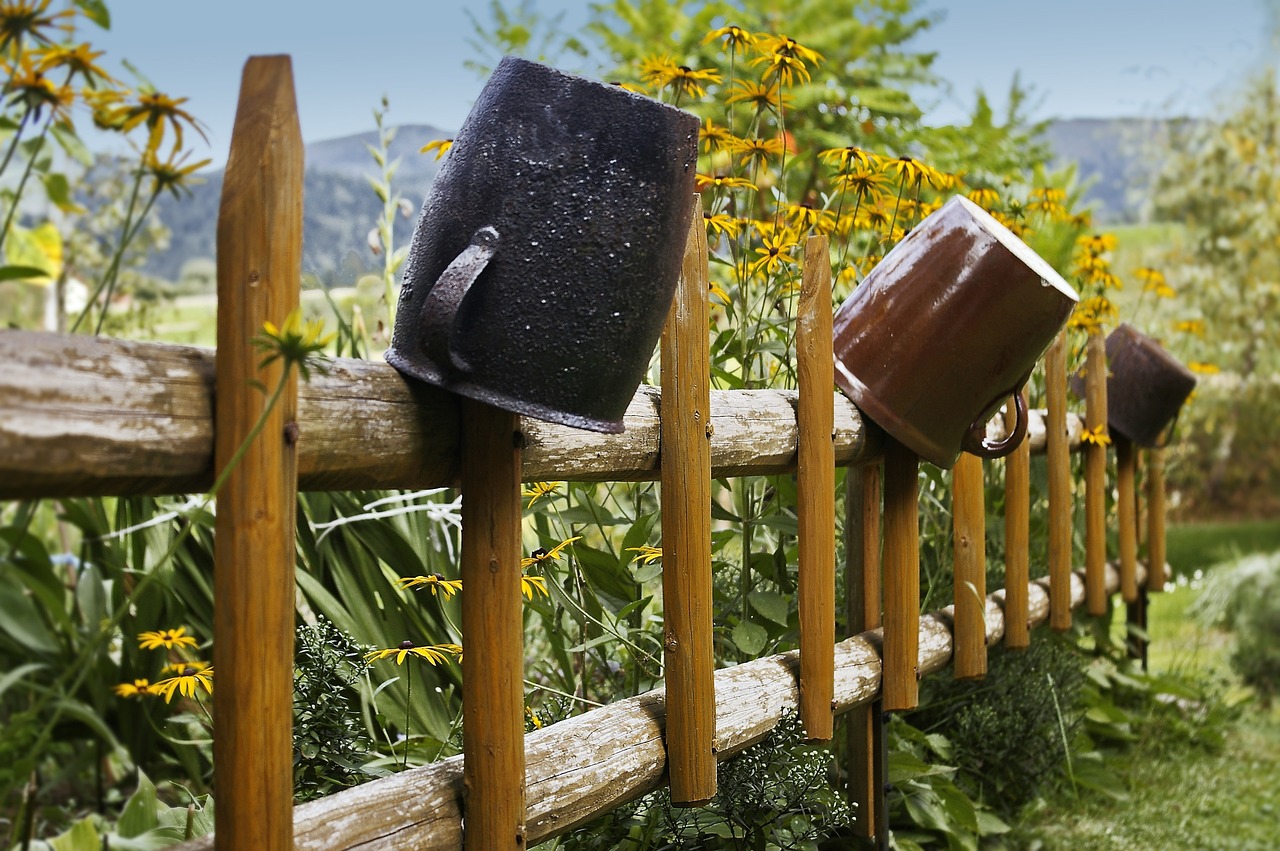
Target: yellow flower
734 37
1097 435
784 58
179 667
538 490
433 654
137 688
172 175
704 181
158 112
646 554
775 250
984 197
846 159
440 146
79 60
1203 368
864 183
756 152
20 19
185 683
721 223
436 582
530 585
541 555
28 86
713 136
684 80
716 290
911 171
1191 326
166 638
297 343
762 96
1153 280
1048 200
1097 243
656 70
805 216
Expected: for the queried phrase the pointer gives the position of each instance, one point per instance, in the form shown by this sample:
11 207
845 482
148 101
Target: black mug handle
441 305
975 441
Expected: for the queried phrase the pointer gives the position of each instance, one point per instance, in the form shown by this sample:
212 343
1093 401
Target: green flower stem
127 231
79 669
13 145
22 182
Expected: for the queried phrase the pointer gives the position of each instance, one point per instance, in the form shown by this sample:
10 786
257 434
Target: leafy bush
329 739
1245 598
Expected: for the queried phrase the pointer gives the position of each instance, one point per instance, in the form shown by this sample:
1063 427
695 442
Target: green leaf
771 605
750 637
904 766
83 836
72 145
12 677
990 824
19 273
719 512
926 809
20 619
58 188
638 605
141 811
645 572
96 11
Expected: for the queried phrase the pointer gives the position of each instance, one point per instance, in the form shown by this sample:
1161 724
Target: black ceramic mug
1146 387
548 249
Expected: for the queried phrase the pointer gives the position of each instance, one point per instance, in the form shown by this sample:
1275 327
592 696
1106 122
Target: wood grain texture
901 577
1017 542
492 631
689 660
1127 516
1058 461
89 416
259 270
969 525
589 764
1155 519
1095 475
816 493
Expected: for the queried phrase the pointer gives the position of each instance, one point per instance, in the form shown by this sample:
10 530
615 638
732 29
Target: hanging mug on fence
945 329
547 252
1146 387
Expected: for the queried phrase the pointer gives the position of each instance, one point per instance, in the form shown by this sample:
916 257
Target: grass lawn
1180 796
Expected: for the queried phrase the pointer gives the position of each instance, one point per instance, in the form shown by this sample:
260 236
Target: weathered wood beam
87 416
587 765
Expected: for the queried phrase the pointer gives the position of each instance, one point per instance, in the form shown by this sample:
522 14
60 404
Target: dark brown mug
1146 387
544 261
945 329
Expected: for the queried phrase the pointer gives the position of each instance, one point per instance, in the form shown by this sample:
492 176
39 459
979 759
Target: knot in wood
518 440
493 565
711 429
292 431
671 644
254 277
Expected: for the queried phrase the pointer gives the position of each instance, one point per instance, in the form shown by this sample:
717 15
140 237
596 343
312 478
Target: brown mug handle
440 307
975 440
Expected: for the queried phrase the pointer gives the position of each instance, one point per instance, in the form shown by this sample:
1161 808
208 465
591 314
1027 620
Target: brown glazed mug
945 329
1146 386
544 261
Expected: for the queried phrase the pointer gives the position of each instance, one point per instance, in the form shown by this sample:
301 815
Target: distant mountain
1113 155
1117 159
339 207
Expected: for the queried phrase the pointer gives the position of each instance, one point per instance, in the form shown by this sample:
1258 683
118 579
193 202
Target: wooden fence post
259 272
1155 520
1127 516
816 489
686 531
1095 476
901 577
865 763
492 630
1058 452
970 567
1017 542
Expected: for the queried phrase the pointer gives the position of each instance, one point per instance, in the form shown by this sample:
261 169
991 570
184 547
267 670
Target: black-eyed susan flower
432 654
1097 243
984 197
166 638
1153 280
532 721
733 38
691 82
762 96
159 113
531 584
173 174
716 290
440 146
775 250
721 223
179 667
656 70
784 58
539 490
297 343
756 152
137 688
542 555
1194 327
30 19
646 554
911 171
1203 368
79 61
435 583
720 181
1097 435
849 158
714 137
27 85
863 183
185 684
802 217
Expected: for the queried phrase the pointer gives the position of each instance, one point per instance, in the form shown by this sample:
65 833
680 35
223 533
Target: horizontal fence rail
87 416
584 766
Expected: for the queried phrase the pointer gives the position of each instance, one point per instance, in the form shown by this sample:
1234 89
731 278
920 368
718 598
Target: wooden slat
688 609
587 765
1058 461
901 576
492 631
86 416
969 521
1017 542
259 269
816 493
1155 519
1095 475
1127 516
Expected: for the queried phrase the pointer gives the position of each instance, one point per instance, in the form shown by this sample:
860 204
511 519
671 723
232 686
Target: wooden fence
84 416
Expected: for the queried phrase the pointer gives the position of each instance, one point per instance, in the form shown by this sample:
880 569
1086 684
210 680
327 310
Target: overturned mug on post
547 252
1146 387
946 328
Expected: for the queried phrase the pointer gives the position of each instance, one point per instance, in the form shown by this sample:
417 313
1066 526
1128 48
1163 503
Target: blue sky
1083 58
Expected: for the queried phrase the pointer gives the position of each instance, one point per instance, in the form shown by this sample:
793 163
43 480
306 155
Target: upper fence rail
88 416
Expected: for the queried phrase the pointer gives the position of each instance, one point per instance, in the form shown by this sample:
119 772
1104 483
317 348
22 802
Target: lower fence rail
584 766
